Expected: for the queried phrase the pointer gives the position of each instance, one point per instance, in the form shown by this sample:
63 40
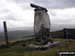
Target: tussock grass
19 50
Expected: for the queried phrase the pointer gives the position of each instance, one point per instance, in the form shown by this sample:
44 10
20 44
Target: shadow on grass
22 42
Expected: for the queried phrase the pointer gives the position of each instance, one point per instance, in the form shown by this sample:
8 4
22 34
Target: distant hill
16 34
27 33
60 34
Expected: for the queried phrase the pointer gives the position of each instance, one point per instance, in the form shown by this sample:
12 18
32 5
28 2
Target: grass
18 50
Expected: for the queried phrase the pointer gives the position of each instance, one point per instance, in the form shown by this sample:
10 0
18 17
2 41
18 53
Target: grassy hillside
17 49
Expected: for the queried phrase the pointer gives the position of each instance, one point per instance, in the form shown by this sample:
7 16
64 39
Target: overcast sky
18 13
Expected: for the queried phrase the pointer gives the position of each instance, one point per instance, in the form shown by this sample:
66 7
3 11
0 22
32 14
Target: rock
57 43
44 47
42 26
42 30
34 47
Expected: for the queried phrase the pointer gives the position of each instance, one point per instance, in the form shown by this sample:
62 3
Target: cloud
49 4
25 4
15 15
18 13
62 16
55 4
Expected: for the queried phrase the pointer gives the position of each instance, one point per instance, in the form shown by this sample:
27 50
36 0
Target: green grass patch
18 50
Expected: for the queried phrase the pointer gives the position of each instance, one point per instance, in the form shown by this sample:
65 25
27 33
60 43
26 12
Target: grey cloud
63 21
7 15
11 17
55 27
25 4
18 1
5 10
55 4
51 4
52 13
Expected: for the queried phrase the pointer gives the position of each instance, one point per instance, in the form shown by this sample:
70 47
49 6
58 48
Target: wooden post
5 32
65 33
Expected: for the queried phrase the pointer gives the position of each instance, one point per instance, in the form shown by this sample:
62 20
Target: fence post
65 33
5 32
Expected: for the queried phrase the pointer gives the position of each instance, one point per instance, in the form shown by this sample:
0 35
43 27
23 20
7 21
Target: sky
18 13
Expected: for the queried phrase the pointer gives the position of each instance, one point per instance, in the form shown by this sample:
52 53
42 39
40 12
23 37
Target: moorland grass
19 50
